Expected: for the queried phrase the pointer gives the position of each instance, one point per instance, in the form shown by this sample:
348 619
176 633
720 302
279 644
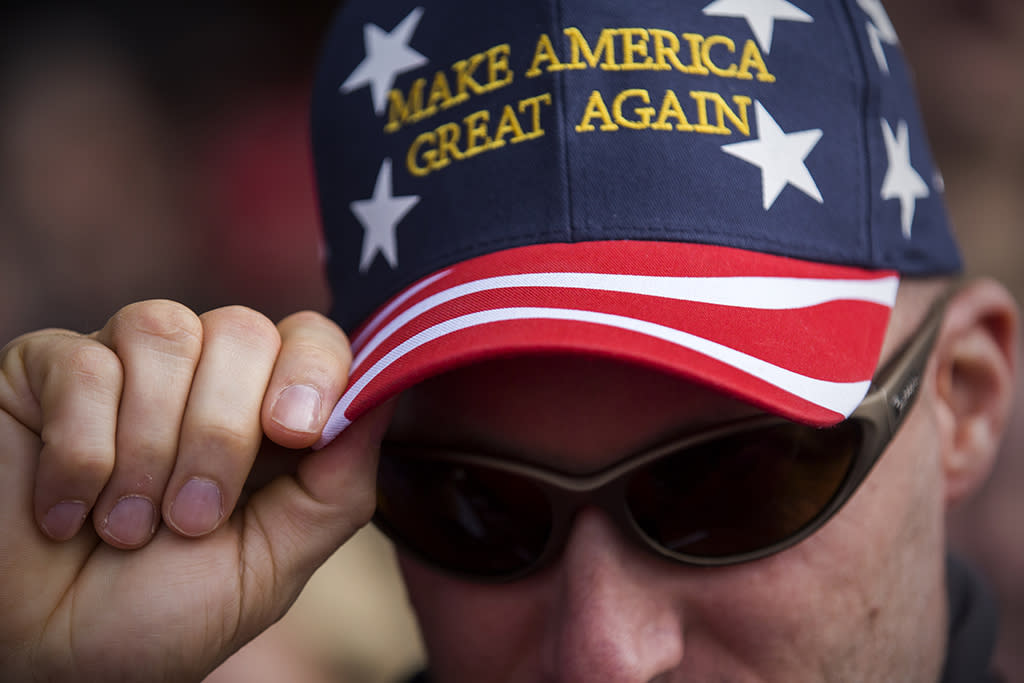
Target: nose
615 618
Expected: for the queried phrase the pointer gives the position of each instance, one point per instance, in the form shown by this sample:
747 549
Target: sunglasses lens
744 492
468 520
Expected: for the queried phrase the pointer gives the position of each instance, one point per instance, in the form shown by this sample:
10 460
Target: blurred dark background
156 151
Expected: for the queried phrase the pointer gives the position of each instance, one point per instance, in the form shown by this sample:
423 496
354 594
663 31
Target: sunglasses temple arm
903 378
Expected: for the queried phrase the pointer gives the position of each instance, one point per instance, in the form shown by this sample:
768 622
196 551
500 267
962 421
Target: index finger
310 374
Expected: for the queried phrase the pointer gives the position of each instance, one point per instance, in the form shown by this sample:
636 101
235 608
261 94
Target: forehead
571 412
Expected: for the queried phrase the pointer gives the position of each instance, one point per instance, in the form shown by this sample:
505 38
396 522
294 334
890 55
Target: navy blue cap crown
447 129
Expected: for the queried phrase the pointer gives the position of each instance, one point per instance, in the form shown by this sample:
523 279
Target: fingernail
297 408
132 521
196 509
64 519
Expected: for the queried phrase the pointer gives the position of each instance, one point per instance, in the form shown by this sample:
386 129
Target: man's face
861 600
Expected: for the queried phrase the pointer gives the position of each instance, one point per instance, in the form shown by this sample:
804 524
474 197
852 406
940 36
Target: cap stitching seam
865 177
563 130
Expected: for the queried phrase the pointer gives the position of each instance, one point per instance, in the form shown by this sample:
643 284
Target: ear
974 382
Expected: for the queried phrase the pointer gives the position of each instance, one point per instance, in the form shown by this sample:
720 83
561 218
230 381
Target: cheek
472 630
862 599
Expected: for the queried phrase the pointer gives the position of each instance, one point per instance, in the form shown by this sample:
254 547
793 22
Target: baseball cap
725 190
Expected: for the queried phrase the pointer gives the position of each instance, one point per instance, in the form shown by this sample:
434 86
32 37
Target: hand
132 548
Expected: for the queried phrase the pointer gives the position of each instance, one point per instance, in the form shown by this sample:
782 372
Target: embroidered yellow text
634 109
479 132
481 73
651 49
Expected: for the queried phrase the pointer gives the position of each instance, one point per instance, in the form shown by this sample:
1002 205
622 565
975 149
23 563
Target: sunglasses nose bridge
568 497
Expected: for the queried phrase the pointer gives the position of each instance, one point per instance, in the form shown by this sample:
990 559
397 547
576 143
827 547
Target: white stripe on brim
757 336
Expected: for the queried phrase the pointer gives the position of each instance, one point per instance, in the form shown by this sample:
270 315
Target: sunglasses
732 494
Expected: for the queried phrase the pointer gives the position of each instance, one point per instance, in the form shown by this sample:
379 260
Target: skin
863 599
611 611
157 398
160 397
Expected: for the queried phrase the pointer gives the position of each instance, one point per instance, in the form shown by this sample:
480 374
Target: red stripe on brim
794 338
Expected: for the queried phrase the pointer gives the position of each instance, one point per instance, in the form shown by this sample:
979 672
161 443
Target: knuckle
244 324
224 438
165 325
316 363
363 503
93 367
306 318
79 459
314 326
92 465
79 401
148 453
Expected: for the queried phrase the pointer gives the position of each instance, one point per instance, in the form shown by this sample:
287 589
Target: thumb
293 525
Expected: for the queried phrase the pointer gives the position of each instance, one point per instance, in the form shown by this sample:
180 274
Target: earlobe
974 382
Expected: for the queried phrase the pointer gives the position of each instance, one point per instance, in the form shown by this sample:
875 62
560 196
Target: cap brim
795 338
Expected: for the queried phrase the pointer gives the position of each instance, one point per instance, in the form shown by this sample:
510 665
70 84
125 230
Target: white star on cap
780 156
880 30
760 14
387 55
380 216
901 180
